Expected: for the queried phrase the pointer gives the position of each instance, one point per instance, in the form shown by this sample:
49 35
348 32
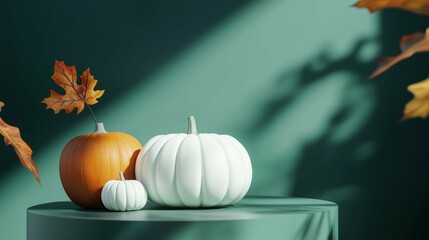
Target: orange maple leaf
12 137
410 44
419 105
416 6
76 95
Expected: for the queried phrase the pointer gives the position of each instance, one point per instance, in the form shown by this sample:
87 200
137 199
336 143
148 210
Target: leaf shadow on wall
359 157
122 42
319 67
328 113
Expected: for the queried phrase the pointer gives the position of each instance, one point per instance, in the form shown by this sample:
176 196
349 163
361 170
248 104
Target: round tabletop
289 215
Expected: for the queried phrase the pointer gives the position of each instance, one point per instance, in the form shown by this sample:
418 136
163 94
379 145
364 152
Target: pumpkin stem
192 125
99 128
121 175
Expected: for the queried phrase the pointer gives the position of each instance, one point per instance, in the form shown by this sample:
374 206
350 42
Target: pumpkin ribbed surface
123 195
89 161
194 170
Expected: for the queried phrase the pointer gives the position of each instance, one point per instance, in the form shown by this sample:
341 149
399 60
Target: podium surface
260 217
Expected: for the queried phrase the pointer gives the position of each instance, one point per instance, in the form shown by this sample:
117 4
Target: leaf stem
92 113
86 104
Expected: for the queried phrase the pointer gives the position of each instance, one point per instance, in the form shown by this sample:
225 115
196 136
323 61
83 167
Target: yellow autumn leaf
419 105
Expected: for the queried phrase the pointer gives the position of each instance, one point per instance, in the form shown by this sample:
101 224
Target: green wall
286 78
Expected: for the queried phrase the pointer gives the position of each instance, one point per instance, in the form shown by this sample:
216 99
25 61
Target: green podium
262 218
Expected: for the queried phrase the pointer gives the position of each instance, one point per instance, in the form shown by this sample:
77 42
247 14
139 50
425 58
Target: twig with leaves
410 44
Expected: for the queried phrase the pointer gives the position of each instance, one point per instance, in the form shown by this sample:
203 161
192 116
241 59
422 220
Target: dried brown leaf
12 136
76 95
416 6
410 44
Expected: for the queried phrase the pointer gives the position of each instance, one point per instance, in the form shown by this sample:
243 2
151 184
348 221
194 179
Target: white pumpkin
194 170
123 195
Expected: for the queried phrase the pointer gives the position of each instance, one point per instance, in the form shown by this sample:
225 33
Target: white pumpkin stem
121 175
99 128
192 125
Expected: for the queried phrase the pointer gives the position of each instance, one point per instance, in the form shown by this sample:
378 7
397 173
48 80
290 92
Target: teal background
287 78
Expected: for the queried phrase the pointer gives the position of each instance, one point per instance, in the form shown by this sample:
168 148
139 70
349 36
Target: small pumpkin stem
192 125
121 175
99 128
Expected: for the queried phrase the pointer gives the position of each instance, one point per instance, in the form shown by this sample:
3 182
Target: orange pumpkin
89 161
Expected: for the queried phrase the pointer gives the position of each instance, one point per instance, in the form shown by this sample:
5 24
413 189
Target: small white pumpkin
123 195
194 170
